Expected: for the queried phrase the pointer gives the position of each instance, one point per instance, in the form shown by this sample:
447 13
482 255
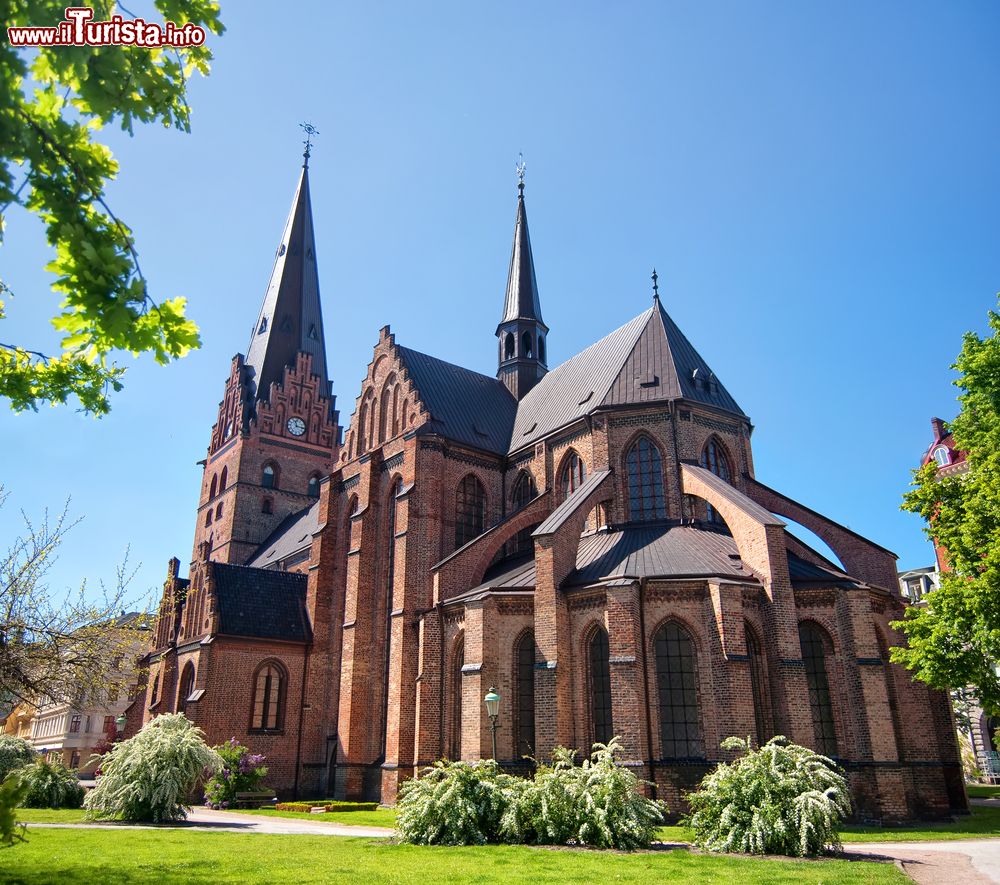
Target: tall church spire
290 318
522 332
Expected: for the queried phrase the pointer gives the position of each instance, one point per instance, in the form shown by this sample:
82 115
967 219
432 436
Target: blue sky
815 183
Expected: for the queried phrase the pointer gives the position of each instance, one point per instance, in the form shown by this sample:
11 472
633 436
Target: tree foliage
49 785
778 799
52 102
55 648
11 793
241 772
15 753
954 640
151 776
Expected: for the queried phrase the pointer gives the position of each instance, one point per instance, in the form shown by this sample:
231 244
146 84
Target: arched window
269 477
470 510
269 684
676 681
758 686
455 732
508 346
713 458
600 686
363 425
223 479
541 348
524 682
814 644
214 488
387 409
645 482
526 349
942 456
266 505
218 510
523 492
187 687
574 472
208 515
313 489
155 696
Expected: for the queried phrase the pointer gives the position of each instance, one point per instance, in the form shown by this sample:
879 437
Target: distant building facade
591 539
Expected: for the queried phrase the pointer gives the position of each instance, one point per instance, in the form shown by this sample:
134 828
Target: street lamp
120 724
492 701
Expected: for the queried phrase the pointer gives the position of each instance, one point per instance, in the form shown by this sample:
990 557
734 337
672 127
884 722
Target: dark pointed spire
656 288
290 318
521 301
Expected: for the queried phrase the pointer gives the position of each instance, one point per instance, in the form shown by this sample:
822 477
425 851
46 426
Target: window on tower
223 479
269 477
266 505
645 481
508 346
526 348
313 489
541 348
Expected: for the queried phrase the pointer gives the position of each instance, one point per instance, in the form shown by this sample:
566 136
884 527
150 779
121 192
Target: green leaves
954 640
52 166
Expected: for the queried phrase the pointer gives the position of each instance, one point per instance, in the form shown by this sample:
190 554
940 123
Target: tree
52 101
954 640
52 648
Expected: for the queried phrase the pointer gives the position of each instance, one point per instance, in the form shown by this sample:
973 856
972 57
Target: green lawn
380 817
173 856
982 822
50 815
983 791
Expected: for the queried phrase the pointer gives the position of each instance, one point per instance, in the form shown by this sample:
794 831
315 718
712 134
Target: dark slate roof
290 316
465 406
803 572
564 510
521 300
646 360
262 603
294 533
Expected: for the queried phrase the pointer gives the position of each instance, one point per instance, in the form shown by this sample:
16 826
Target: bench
255 799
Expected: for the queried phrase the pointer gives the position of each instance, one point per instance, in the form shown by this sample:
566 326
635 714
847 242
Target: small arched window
508 346
155 696
942 456
208 515
269 683
645 481
574 472
524 682
526 349
223 479
600 686
218 510
470 510
266 505
269 477
214 487
758 686
676 680
362 426
187 687
524 490
541 348
455 732
313 489
814 643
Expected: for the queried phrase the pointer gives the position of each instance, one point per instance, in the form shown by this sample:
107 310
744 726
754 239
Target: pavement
957 862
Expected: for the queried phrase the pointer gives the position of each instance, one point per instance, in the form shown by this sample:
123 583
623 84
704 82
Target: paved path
955 862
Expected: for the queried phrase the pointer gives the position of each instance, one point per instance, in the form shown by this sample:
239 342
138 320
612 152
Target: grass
983 791
177 856
50 815
380 817
983 822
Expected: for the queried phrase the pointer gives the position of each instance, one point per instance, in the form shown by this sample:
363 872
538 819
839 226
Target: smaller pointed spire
310 131
656 288
521 301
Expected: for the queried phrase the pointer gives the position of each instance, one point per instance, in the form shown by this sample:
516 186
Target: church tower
276 435
521 333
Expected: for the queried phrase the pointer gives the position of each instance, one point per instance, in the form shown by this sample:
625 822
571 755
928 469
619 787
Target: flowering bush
14 752
779 799
242 771
149 776
49 785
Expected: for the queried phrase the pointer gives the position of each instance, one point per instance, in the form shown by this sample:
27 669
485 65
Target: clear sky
817 185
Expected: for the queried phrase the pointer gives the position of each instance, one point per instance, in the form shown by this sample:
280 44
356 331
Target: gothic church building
589 538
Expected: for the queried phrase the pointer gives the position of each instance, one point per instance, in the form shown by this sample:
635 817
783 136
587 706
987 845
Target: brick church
589 538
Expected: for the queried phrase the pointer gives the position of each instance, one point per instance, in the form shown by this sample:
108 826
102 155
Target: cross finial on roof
310 131
521 166
656 288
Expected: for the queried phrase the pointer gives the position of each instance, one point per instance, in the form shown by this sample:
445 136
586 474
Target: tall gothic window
676 675
814 644
524 680
758 686
187 686
645 482
470 510
574 472
223 479
600 686
508 346
269 477
455 737
524 490
214 488
526 349
268 697
713 458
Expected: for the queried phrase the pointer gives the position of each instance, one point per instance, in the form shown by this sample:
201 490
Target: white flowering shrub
49 785
778 799
150 776
14 753
597 803
455 803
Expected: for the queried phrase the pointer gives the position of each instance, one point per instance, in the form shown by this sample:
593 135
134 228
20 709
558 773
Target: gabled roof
521 300
646 360
290 318
294 533
262 603
465 406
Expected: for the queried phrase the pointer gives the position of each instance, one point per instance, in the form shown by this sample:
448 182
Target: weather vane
310 131
656 288
520 171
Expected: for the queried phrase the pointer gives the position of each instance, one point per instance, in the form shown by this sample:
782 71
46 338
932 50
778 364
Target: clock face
296 426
